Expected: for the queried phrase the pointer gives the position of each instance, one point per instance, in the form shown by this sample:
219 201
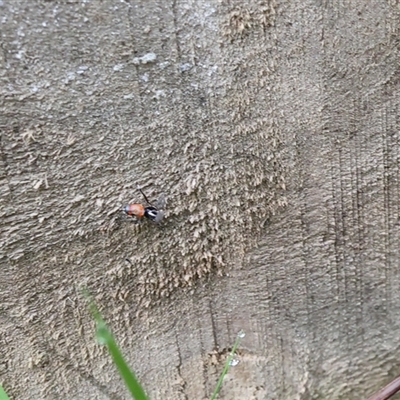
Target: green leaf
3 394
105 337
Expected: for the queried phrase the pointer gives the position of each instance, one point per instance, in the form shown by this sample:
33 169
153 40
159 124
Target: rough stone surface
272 128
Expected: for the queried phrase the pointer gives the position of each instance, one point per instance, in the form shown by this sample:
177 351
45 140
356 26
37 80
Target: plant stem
227 365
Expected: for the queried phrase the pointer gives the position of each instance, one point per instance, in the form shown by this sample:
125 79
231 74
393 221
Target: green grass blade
3 394
227 365
105 337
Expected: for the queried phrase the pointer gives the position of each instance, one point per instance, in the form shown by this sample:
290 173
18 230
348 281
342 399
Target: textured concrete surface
272 129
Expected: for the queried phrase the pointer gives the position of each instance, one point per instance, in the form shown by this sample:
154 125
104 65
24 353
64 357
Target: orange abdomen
134 209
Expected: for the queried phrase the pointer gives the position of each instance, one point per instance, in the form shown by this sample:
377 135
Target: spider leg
141 191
